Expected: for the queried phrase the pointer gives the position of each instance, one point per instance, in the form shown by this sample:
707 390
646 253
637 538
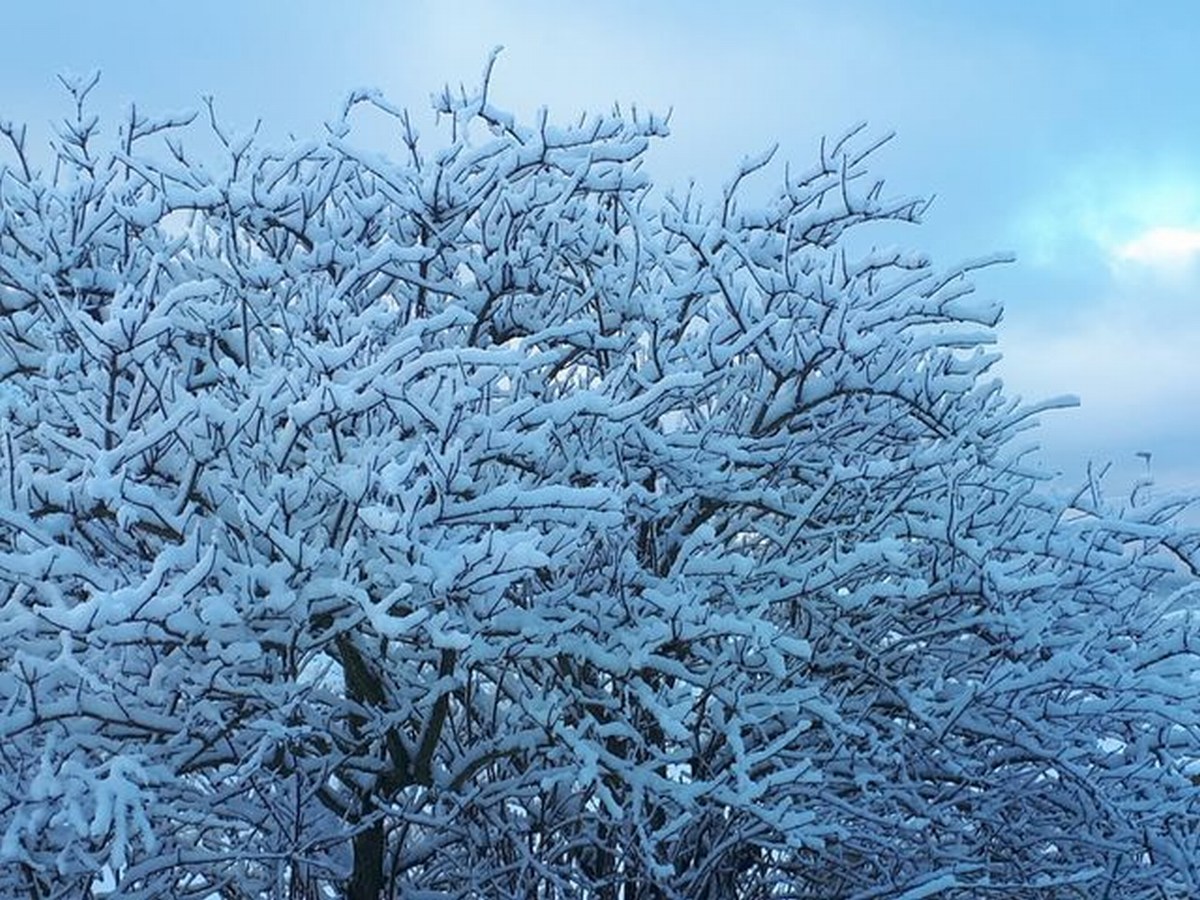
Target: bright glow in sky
1061 131
1166 247
1113 204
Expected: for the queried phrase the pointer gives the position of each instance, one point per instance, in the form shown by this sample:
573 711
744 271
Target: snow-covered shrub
478 523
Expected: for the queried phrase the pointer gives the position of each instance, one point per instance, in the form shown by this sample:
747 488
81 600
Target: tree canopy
477 521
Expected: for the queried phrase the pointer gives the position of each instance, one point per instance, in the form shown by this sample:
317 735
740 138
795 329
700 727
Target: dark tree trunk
366 882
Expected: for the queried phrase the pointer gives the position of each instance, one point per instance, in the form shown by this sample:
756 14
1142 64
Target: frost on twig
466 524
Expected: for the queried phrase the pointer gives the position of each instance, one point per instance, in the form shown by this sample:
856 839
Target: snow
497 501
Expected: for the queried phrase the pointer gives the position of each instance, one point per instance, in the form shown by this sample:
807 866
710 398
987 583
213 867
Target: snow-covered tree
476 522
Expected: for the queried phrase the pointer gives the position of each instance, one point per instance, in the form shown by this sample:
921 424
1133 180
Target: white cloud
1164 246
1124 209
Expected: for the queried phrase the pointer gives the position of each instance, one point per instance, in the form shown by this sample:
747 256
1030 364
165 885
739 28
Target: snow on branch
472 522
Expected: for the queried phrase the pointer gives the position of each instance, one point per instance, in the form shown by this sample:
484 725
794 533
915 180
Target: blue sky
1067 132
